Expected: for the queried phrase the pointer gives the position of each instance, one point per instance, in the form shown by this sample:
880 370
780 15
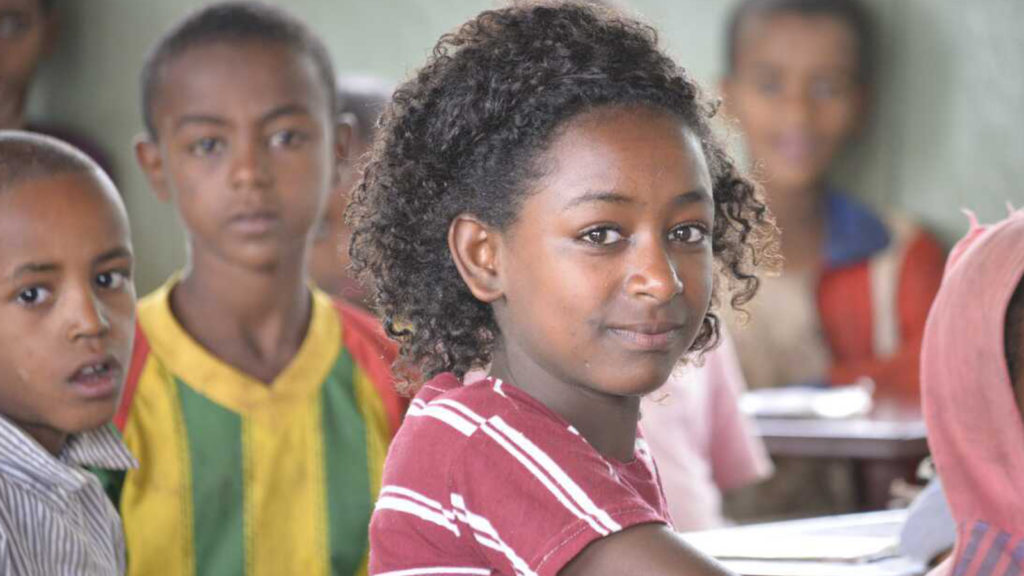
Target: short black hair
364 98
27 156
853 13
465 134
1014 332
233 22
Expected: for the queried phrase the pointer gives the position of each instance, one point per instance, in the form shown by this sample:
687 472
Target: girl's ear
475 248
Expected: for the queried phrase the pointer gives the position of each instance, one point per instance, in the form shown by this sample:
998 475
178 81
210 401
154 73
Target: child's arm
646 549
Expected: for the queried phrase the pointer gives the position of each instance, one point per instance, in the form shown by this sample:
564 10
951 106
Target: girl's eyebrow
612 197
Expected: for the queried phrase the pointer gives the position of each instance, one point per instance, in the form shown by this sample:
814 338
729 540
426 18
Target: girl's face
605 277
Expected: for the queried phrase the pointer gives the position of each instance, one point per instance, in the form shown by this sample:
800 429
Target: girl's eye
113 280
287 139
206 146
601 236
688 234
12 25
33 296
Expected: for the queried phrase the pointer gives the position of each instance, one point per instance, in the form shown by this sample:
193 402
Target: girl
972 372
546 198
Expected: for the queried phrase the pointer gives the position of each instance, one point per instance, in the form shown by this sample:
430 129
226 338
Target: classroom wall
946 132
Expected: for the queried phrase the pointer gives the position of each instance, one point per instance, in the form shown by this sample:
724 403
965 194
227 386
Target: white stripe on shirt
54 517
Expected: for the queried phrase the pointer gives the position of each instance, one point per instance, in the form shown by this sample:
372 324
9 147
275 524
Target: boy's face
24 30
796 93
605 275
66 318
245 150
329 259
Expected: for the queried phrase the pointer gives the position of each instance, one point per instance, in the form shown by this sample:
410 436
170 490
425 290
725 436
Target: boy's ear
476 248
51 32
344 128
147 154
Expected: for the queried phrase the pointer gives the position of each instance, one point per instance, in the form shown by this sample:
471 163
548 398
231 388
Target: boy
66 333
972 374
853 297
361 100
857 286
28 33
260 410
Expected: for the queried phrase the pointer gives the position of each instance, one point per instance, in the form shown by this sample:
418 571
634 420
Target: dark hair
853 13
232 22
26 156
464 136
1014 332
364 98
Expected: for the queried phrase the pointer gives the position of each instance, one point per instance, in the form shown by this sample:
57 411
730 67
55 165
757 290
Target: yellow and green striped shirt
239 477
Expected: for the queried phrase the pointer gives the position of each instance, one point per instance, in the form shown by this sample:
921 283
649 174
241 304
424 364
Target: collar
101 448
853 231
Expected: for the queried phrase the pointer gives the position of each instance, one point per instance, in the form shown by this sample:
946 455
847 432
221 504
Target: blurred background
945 131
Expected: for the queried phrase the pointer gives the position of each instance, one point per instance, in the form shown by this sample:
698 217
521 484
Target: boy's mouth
254 223
97 379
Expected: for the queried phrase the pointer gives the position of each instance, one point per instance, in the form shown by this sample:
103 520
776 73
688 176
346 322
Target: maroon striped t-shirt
483 479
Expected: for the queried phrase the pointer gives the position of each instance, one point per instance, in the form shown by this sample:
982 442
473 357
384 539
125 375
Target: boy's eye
825 89
33 296
602 236
12 25
206 146
688 234
113 280
287 139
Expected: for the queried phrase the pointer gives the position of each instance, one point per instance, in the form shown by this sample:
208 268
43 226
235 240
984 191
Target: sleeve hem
571 541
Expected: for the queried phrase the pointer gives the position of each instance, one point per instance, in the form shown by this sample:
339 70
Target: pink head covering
975 428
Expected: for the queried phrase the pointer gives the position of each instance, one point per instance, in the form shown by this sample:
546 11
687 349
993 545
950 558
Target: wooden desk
882 450
835 530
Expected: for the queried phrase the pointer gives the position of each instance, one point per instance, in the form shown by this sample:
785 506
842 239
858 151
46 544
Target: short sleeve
535 493
738 456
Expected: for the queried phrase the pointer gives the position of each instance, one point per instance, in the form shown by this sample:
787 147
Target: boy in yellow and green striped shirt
259 409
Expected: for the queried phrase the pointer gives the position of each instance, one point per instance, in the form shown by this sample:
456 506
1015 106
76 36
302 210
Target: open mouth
98 379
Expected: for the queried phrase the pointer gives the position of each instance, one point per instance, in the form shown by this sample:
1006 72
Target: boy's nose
87 317
655 275
249 168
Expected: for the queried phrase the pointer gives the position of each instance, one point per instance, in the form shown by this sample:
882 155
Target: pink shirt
701 441
483 479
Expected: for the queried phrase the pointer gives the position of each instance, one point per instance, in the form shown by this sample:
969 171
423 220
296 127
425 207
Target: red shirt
483 479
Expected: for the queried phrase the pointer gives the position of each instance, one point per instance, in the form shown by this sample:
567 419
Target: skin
329 259
598 288
247 153
26 36
68 302
795 91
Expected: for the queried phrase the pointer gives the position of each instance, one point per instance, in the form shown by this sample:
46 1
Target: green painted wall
946 134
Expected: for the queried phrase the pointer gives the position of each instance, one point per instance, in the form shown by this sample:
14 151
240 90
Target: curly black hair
465 134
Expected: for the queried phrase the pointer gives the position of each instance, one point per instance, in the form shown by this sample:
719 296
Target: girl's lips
644 338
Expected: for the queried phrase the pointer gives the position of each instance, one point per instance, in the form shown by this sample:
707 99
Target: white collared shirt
55 518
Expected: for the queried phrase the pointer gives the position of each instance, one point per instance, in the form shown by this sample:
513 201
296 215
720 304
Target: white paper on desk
804 402
888 567
761 546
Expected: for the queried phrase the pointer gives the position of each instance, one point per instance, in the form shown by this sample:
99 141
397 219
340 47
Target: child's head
238 101
360 102
549 181
26 31
66 319
797 77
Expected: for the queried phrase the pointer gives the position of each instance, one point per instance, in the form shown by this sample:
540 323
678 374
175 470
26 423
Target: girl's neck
255 320
608 423
800 215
